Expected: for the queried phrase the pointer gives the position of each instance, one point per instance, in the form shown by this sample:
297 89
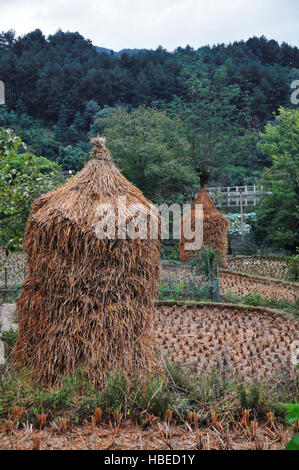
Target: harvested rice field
243 284
267 266
234 282
159 436
253 345
253 342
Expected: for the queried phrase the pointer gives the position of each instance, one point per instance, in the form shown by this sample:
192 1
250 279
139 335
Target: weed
10 337
171 291
179 394
293 266
257 300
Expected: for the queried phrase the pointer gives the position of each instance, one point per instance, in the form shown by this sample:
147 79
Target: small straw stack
215 227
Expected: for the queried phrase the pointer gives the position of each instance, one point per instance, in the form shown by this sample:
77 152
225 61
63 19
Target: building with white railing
236 195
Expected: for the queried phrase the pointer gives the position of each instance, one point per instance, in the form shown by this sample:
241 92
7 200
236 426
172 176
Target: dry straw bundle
86 302
215 227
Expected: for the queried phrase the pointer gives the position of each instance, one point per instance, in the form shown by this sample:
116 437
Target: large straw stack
86 302
215 227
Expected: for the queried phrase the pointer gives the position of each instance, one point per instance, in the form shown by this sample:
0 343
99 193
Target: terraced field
245 275
266 266
249 343
252 342
244 284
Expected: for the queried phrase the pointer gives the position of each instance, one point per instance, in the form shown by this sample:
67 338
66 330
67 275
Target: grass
9 337
186 290
258 301
180 291
179 389
10 295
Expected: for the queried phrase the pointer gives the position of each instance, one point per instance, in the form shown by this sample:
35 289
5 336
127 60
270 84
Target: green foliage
151 396
249 399
23 177
206 266
73 80
198 389
257 300
292 416
79 398
293 266
38 137
151 150
278 215
179 388
202 285
170 249
206 262
67 69
56 85
234 227
10 336
294 443
210 114
261 398
20 389
207 107
171 291
253 299
73 157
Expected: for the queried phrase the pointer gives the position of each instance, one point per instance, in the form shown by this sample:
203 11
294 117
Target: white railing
236 195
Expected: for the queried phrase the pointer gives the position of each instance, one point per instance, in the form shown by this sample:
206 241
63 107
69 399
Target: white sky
119 24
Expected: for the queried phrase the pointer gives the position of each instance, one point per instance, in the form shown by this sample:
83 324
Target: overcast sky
119 24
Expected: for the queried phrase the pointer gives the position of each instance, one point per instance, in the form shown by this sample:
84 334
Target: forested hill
62 88
44 74
104 50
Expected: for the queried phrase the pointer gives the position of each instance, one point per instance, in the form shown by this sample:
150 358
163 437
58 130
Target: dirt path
7 317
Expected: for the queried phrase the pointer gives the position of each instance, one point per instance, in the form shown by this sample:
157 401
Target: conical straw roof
99 182
87 302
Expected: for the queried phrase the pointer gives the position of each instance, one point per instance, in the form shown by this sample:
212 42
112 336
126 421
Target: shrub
293 266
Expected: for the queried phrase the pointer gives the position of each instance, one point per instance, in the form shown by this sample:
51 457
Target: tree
61 128
278 213
74 158
152 151
91 109
38 138
23 177
78 122
213 112
100 120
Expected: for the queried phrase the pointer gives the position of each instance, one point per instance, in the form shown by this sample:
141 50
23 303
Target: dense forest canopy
174 120
65 69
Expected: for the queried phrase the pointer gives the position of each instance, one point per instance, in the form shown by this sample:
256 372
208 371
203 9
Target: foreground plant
292 417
